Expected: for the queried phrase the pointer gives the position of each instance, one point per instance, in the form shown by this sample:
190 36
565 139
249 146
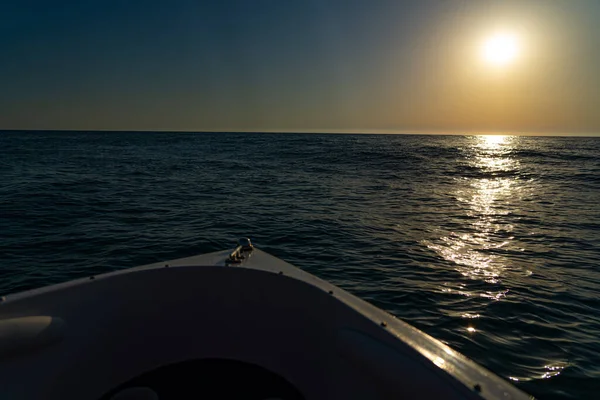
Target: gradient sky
286 65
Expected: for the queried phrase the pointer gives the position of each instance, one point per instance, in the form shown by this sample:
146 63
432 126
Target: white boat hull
105 331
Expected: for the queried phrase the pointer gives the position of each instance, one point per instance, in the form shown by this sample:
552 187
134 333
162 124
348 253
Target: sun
501 49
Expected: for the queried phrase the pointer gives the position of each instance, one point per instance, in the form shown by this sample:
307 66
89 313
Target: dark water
491 245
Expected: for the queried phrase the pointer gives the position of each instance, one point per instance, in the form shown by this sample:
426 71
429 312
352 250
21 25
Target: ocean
490 244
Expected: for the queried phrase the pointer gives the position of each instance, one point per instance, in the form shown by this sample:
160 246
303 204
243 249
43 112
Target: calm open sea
488 243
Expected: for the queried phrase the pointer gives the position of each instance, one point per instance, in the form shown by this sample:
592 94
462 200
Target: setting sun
501 49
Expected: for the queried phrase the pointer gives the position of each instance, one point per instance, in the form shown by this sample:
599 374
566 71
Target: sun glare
501 49
493 140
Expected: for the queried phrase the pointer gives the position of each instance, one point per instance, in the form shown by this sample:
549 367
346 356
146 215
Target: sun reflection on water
492 140
485 192
478 241
547 371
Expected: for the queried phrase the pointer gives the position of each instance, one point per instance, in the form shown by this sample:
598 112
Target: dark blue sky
298 65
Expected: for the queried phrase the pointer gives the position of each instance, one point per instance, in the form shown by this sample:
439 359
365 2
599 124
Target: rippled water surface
488 243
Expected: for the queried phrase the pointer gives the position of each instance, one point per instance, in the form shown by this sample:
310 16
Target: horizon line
329 131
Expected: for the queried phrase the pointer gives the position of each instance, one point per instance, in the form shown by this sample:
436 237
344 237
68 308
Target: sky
315 66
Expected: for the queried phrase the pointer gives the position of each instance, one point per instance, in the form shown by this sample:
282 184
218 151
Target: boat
233 324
